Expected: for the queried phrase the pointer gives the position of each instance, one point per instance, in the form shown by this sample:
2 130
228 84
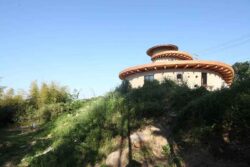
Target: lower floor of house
192 77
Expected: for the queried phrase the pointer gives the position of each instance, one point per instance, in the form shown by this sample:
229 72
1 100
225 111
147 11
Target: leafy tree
34 94
53 93
44 95
11 105
47 100
242 70
9 94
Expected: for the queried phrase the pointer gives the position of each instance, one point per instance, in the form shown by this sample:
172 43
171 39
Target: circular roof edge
226 71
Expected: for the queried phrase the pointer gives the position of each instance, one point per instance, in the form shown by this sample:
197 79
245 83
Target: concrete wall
192 77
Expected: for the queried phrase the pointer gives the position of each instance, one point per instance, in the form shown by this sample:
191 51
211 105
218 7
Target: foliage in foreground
80 135
83 135
203 119
220 120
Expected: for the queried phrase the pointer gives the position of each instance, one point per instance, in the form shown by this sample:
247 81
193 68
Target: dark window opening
148 77
204 79
179 78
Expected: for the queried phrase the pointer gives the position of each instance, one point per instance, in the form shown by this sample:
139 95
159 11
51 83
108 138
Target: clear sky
85 43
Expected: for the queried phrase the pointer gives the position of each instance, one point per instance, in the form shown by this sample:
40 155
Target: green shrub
78 131
211 116
166 150
51 111
80 135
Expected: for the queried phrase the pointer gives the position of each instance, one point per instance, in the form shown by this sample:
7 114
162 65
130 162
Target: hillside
155 125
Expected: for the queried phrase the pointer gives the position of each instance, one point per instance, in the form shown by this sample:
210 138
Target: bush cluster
81 132
41 104
201 116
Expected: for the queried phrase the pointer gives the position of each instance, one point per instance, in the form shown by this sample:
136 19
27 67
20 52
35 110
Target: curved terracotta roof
176 54
166 46
226 71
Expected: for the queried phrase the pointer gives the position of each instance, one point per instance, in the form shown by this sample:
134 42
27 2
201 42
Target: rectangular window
179 78
204 79
148 77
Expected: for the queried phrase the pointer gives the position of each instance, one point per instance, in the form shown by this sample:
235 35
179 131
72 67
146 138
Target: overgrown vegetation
83 133
40 105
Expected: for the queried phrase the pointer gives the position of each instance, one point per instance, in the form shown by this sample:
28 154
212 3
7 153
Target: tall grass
84 134
80 135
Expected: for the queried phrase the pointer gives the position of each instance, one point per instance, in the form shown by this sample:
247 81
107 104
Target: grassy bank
215 121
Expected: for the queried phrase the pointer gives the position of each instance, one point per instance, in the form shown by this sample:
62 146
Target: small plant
166 150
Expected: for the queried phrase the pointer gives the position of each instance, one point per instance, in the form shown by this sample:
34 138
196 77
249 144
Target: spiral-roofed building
170 63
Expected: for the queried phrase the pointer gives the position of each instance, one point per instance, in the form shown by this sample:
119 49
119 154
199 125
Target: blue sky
85 44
